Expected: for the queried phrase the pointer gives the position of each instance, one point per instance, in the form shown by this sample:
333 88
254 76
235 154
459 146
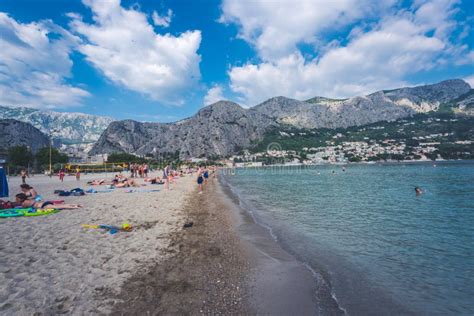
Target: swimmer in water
418 191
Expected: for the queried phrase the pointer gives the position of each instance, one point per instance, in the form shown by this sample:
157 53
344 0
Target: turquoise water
381 248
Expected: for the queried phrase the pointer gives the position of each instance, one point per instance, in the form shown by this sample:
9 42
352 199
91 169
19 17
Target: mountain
216 130
224 128
16 133
73 128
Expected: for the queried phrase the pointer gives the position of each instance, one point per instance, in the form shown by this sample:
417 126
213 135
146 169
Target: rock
72 127
224 128
16 133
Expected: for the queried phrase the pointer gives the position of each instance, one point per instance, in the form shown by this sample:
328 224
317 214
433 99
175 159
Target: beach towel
92 190
73 192
17 212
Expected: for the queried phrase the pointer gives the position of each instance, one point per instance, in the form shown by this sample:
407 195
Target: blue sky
157 60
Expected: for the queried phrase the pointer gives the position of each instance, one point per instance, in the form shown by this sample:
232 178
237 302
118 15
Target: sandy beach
51 264
223 264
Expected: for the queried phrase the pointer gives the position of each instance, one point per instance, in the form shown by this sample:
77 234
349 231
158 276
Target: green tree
124 157
42 156
20 156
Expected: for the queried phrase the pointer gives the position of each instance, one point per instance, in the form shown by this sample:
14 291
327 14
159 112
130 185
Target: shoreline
226 263
206 272
279 283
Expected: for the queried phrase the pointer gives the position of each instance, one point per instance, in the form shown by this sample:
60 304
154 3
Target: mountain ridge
223 128
73 127
17 133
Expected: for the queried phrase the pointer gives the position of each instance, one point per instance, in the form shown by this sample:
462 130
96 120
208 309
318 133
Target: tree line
21 157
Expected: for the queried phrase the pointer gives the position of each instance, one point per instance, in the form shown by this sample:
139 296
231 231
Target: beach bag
5 204
77 192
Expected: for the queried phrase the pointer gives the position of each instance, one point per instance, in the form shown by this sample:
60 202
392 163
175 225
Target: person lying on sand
97 182
157 180
28 191
22 200
127 183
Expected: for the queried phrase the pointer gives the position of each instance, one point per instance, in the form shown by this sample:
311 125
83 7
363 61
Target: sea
363 231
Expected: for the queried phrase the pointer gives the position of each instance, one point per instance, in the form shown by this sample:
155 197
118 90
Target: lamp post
51 134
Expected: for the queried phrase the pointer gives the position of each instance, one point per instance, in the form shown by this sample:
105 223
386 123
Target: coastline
225 263
206 272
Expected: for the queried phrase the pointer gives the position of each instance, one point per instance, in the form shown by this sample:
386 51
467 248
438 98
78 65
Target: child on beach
23 174
22 200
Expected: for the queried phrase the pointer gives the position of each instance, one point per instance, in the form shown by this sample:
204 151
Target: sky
163 60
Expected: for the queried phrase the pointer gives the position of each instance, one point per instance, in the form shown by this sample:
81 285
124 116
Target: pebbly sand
224 264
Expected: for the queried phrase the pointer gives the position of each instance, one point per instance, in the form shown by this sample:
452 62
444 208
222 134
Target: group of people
29 198
203 175
62 174
139 170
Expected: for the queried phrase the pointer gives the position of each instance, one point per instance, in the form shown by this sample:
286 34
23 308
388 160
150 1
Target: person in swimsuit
418 191
22 200
205 175
166 176
200 179
29 191
61 175
23 174
78 174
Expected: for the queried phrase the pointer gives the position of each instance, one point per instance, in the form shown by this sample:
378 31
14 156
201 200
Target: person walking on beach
200 179
166 176
23 174
205 174
145 170
78 173
61 175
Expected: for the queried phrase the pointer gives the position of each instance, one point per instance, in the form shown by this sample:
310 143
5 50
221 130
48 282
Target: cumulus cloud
470 80
402 43
124 46
214 94
276 27
34 64
162 20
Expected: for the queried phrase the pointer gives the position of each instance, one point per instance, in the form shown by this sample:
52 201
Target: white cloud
276 27
123 45
374 59
34 63
470 80
164 20
214 94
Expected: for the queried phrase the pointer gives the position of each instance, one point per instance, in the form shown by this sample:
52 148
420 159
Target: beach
51 264
224 263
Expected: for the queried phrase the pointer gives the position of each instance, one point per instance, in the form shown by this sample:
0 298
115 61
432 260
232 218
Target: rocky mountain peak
16 133
224 128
